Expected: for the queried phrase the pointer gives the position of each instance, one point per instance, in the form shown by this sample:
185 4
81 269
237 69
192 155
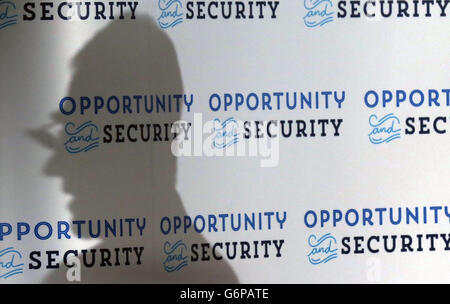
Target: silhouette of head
126 58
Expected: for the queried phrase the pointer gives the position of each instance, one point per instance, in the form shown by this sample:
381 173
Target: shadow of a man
127 179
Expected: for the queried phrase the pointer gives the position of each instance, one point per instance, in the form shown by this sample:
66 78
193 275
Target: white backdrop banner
175 141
